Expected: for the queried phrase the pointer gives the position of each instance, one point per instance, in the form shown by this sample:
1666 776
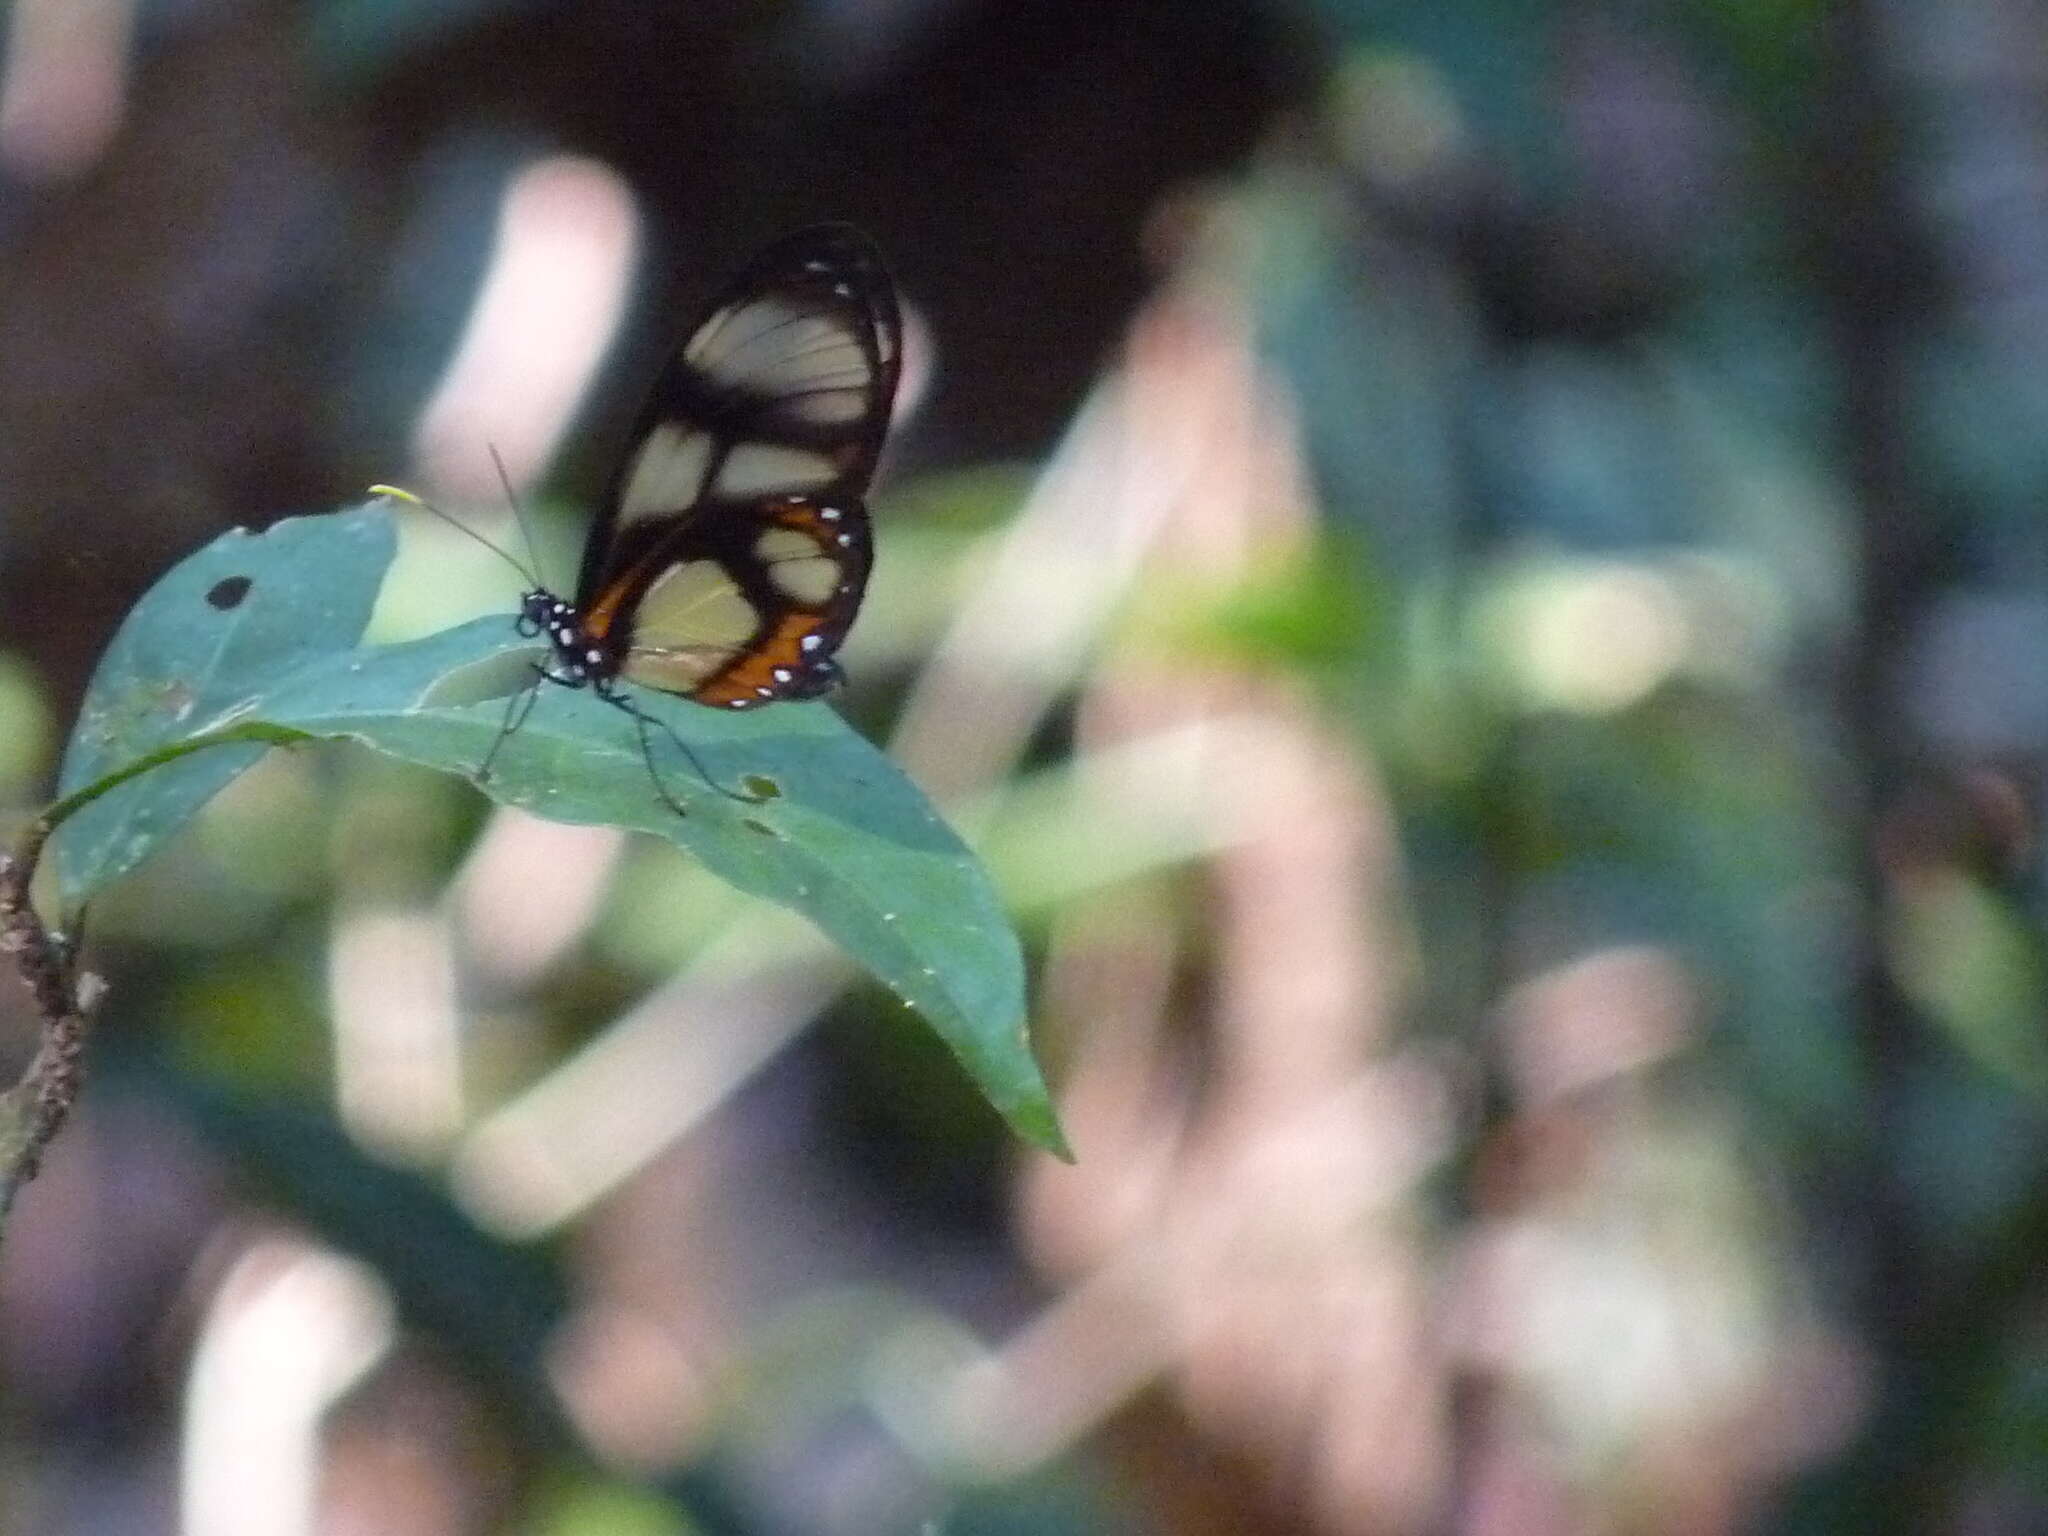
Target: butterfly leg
517 708
642 721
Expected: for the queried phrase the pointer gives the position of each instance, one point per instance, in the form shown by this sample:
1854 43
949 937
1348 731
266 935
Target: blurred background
1476 570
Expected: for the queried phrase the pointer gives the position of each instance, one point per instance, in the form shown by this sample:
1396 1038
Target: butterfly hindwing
732 550
743 612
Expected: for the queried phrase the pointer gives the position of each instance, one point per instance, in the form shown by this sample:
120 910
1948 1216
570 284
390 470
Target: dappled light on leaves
63 85
288 1330
529 891
567 239
1235 1229
397 1030
653 1075
1581 1024
638 1396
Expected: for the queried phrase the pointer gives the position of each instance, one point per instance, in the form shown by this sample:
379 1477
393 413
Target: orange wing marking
781 649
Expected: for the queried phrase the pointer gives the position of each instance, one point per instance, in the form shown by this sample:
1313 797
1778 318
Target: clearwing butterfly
731 550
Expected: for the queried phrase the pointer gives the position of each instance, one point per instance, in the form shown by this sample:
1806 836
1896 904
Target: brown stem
34 1109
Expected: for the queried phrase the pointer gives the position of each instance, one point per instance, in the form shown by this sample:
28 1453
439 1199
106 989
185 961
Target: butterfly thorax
579 659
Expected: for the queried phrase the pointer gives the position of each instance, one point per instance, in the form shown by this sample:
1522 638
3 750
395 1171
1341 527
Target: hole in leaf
229 592
474 682
761 787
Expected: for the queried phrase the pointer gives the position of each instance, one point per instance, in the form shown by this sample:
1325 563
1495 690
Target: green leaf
201 647
839 834
844 838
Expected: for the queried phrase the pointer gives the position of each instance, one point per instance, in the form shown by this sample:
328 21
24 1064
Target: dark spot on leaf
761 827
229 592
761 787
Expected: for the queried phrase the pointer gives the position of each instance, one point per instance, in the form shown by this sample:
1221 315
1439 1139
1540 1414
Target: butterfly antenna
518 512
399 493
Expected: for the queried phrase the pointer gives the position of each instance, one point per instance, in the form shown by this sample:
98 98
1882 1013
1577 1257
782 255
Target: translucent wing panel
782 389
751 471
692 620
667 472
695 603
798 568
774 346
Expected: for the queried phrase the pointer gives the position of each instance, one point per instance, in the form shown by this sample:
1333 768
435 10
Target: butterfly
729 555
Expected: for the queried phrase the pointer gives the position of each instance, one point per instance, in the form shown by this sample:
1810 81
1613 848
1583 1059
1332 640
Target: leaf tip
1039 1123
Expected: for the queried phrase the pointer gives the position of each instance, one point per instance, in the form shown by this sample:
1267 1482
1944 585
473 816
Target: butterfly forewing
732 551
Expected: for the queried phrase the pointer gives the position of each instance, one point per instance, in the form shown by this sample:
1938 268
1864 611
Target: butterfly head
578 658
